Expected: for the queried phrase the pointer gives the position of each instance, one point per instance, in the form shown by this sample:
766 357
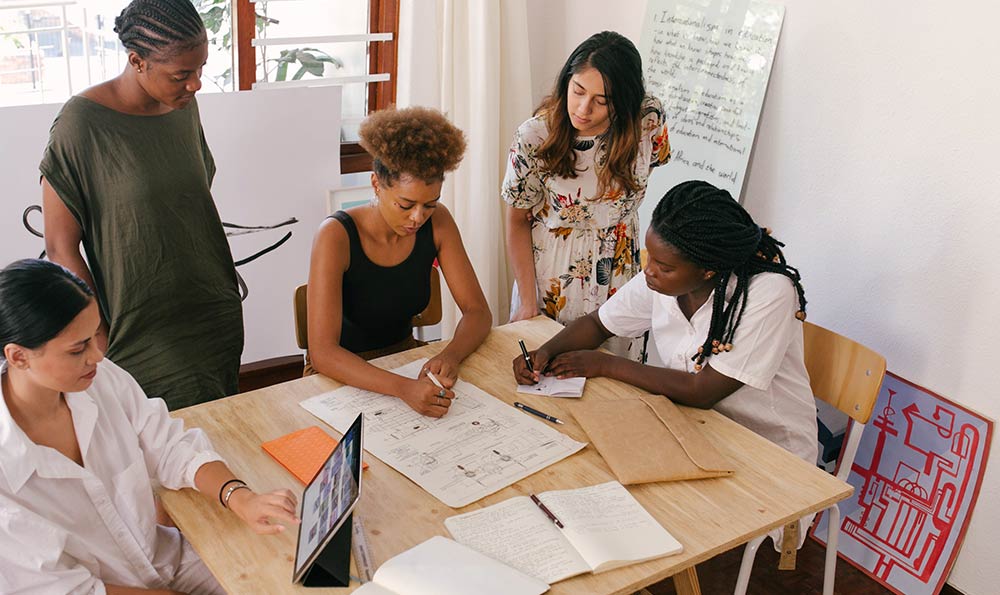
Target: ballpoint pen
547 512
533 411
527 358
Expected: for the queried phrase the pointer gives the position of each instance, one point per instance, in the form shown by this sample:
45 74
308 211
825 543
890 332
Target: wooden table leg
686 582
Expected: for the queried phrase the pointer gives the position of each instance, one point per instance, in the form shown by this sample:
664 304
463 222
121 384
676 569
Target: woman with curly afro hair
371 264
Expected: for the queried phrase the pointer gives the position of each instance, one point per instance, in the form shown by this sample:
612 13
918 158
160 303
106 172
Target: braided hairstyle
715 233
160 27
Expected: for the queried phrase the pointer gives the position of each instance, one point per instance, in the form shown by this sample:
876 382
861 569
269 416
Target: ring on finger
441 394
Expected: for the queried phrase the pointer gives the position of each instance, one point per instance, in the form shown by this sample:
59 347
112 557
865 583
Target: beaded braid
715 233
154 26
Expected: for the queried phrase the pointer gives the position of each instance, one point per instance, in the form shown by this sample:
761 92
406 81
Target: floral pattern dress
585 247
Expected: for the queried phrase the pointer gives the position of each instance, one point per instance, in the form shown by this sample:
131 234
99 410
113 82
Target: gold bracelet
225 499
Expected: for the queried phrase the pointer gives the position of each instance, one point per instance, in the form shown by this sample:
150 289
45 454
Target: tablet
329 499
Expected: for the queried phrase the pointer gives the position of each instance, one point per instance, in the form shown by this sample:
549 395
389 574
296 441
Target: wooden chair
848 376
429 317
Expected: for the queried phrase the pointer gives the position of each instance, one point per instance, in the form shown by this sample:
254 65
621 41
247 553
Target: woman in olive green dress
127 174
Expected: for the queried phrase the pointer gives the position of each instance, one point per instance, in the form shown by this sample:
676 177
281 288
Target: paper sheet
481 446
553 386
440 566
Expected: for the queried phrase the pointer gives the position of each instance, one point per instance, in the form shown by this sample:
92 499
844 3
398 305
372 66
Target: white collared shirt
775 400
71 529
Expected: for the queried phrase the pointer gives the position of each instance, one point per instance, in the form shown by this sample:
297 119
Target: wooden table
770 488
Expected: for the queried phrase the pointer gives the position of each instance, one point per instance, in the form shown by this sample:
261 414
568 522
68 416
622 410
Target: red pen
547 512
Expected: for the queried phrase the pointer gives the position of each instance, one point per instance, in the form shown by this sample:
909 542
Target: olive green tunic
139 186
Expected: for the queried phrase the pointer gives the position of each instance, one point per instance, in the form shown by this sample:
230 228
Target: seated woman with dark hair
722 308
371 265
79 444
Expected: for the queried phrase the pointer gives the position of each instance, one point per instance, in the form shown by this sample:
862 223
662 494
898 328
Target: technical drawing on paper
482 445
915 476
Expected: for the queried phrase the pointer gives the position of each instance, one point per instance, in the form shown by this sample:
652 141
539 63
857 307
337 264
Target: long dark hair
160 27
715 233
620 65
38 299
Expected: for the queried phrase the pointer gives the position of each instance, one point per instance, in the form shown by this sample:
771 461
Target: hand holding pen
529 365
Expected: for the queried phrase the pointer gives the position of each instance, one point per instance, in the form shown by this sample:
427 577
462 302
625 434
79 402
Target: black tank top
379 302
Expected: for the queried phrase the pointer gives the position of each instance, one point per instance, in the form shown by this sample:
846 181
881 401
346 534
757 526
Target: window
279 42
51 49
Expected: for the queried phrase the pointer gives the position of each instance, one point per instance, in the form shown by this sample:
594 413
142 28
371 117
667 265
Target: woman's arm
584 333
572 352
522 260
330 259
62 244
464 286
256 510
702 390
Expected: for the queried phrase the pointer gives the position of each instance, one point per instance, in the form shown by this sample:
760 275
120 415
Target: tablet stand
332 568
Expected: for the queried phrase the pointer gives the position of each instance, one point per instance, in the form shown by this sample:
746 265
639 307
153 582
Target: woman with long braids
723 310
127 173
576 177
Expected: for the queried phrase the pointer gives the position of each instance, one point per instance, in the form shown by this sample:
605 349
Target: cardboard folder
649 439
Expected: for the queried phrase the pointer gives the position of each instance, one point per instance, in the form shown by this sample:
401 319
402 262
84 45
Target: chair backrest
430 316
842 372
301 317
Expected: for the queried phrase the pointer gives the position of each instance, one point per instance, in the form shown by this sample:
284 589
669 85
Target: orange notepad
302 452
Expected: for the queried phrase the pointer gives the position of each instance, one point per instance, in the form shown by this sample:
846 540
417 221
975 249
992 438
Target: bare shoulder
332 232
105 93
444 224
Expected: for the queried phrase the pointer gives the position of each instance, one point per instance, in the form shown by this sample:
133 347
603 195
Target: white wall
876 161
277 153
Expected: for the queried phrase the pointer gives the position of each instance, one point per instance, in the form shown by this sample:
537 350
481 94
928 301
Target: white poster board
709 62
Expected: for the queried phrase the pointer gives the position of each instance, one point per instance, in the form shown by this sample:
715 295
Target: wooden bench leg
686 582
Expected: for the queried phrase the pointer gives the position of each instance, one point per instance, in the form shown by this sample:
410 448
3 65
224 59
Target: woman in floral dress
576 176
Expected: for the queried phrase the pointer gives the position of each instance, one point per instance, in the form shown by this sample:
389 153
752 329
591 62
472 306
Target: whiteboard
709 62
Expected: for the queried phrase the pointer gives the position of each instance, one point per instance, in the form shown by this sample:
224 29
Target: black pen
527 358
532 411
547 512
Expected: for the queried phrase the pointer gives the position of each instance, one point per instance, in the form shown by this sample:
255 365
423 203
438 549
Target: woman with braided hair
127 173
723 310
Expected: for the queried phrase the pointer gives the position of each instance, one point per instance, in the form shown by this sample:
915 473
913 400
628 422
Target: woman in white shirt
723 312
79 446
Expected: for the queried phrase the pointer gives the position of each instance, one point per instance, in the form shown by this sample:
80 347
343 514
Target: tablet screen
329 498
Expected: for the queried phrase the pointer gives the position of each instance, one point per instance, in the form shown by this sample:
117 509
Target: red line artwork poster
916 478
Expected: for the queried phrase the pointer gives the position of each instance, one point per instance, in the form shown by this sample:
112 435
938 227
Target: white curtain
469 58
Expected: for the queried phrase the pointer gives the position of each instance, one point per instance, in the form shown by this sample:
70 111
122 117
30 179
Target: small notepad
552 386
302 452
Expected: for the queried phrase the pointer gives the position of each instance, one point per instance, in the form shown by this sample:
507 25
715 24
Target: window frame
383 17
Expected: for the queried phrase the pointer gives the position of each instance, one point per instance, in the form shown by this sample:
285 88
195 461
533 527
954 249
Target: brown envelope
649 439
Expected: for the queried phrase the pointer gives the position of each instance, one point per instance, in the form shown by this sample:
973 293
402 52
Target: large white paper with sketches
481 446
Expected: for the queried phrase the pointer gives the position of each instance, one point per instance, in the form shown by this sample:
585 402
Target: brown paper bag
649 439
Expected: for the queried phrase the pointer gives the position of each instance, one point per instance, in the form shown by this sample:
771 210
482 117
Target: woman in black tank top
370 268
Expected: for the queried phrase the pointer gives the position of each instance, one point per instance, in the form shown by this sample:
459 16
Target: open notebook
604 528
551 386
439 566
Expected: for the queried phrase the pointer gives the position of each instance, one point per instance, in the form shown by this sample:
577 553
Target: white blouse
70 529
775 400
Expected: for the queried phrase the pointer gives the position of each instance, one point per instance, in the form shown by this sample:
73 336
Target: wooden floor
718 575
